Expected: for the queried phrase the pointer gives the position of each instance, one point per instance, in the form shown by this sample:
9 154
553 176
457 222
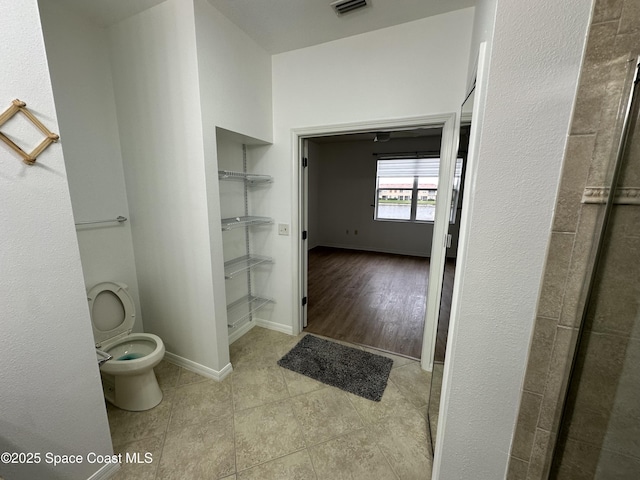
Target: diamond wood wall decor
16 107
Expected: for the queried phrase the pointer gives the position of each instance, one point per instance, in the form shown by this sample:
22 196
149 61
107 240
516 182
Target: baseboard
192 366
278 327
106 471
258 322
241 331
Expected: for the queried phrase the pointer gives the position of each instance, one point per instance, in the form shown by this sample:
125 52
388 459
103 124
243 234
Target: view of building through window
407 189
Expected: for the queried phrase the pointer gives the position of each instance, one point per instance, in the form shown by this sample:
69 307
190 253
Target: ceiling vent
345 6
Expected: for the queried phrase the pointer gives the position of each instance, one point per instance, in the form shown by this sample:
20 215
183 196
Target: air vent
345 6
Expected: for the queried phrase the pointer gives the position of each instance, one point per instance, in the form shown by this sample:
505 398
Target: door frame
449 123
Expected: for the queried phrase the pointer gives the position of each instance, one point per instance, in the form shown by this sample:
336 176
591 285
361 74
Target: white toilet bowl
128 379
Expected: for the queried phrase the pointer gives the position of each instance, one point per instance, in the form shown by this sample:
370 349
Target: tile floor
264 422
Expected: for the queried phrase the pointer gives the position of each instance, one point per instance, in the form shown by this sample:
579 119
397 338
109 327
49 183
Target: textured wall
155 76
524 97
235 94
78 56
51 397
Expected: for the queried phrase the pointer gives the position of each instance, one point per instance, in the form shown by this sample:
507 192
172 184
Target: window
407 189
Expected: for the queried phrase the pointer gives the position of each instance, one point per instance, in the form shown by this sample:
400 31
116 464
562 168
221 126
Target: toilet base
135 393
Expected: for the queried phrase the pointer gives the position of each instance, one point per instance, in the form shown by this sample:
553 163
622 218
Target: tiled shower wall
614 38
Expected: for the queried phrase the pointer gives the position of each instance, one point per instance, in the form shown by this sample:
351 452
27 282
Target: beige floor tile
325 414
255 358
392 403
204 436
398 361
167 374
128 426
424 410
134 458
260 347
265 433
253 387
404 441
259 335
188 377
286 344
201 402
297 384
354 456
296 466
202 451
413 382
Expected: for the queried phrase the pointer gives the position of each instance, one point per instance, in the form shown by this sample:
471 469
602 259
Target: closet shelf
249 178
244 263
242 309
235 222
240 313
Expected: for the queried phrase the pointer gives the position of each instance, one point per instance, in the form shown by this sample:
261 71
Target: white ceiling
283 25
107 12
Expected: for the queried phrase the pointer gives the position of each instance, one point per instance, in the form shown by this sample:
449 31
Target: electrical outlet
283 229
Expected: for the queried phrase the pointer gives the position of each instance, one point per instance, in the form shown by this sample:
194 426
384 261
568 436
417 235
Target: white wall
155 76
180 70
415 69
77 51
51 397
234 75
346 190
527 93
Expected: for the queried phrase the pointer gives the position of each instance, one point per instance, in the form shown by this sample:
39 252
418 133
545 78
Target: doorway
360 239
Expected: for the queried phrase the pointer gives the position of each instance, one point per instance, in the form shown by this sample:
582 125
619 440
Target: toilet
128 379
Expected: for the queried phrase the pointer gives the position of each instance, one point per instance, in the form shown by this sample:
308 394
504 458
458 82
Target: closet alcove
246 227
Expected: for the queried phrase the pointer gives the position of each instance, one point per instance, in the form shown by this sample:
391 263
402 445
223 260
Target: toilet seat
112 311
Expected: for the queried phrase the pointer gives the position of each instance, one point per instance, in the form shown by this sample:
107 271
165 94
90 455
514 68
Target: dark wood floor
368 298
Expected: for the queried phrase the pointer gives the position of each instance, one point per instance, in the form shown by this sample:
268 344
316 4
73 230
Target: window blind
410 167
